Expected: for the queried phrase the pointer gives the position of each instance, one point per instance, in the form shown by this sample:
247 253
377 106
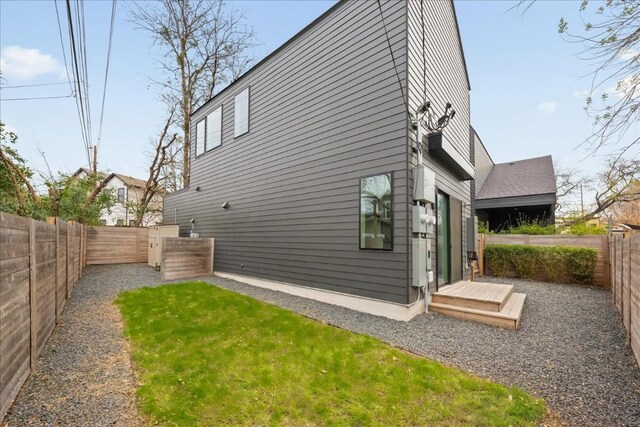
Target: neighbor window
214 129
241 124
200 137
376 226
121 194
120 222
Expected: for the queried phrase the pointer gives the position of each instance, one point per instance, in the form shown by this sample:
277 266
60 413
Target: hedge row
549 263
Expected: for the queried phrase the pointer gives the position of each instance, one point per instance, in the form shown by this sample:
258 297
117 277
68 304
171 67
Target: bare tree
609 35
161 160
205 46
616 186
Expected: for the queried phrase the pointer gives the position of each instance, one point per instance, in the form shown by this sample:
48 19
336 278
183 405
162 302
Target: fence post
33 342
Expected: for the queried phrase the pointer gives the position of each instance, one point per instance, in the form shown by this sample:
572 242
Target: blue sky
528 85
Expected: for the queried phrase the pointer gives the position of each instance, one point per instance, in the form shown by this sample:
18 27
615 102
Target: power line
64 53
106 71
77 77
34 85
37 97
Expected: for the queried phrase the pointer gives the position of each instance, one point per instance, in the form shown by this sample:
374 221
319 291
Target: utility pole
95 159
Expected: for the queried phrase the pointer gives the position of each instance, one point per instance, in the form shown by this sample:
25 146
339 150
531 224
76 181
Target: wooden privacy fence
600 243
39 265
117 245
625 285
184 257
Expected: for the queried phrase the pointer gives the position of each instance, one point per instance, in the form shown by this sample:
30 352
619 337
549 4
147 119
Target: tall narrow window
241 124
376 216
214 128
200 137
121 194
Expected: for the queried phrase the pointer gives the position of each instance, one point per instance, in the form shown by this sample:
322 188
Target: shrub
524 259
497 259
549 263
581 263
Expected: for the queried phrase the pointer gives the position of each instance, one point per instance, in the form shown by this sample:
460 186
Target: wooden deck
488 303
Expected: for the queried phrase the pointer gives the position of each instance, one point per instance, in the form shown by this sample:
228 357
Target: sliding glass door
443 252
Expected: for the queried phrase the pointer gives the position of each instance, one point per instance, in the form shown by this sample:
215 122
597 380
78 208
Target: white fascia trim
391 310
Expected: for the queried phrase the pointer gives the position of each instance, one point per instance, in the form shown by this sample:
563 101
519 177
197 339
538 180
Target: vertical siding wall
445 82
325 111
39 263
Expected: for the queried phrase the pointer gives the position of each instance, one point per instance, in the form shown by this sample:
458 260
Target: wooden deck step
508 317
478 295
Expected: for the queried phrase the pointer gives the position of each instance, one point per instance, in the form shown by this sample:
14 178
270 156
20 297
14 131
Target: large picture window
241 122
376 216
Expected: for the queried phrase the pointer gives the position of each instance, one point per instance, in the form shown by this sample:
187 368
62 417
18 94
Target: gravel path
84 375
570 349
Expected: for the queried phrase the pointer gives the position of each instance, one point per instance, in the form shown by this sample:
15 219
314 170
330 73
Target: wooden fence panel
626 283
618 273
634 327
117 245
184 257
61 282
39 263
45 282
15 324
602 275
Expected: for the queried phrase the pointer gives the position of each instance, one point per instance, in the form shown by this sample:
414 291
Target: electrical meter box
419 247
418 219
424 184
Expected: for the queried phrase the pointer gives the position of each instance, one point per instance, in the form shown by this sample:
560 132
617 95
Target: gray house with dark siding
302 169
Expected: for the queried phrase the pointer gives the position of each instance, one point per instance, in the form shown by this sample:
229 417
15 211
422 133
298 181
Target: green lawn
207 356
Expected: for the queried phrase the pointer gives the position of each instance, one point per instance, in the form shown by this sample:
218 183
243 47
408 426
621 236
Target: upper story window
241 123
121 194
200 136
214 129
376 216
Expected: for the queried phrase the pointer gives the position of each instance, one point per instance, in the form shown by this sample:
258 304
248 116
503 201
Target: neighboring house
128 191
507 193
303 168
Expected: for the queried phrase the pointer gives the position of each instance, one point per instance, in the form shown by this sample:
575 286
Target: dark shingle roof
520 178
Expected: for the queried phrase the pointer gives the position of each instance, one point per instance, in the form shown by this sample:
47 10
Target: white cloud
26 64
547 107
581 93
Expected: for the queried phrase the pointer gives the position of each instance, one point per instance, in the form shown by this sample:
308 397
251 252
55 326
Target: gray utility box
156 241
423 220
421 261
424 184
472 233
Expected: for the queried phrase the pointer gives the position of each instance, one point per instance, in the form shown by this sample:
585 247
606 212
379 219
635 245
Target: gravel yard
570 349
